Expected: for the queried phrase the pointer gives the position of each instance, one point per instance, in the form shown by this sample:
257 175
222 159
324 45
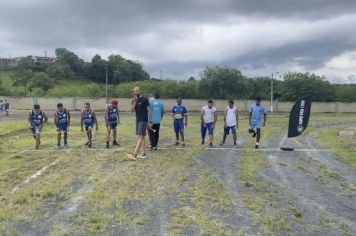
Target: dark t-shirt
141 109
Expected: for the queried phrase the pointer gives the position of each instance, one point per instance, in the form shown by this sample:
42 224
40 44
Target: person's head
36 108
151 96
231 103
136 91
60 107
114 103
5 100
87 106
258 100
179 101
1 100
210 103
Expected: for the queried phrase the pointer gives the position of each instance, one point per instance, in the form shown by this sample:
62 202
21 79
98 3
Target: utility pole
106 82
45 52
272 91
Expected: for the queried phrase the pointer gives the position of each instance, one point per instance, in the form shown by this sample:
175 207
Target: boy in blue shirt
179 112
257 111
88 118
112 118
37 118
62 122
157 110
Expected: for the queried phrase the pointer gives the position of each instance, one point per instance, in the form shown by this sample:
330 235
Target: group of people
149 112
4 106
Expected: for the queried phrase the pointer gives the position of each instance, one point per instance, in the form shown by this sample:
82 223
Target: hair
258 98
152 95
231 101
36 106
210 101
59 105
87 104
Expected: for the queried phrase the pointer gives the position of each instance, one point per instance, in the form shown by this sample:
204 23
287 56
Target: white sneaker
142 156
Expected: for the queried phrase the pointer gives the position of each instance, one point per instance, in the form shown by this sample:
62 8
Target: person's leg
114 135
176 130
138 145
258 136
226 132
90 136
155 135
38 137
203 129
65 137
142 148
59 136
234 135
211 132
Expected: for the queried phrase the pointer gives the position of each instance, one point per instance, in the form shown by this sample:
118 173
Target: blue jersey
112 114
62 118
88 118
6 106
179 112
257 113
37 118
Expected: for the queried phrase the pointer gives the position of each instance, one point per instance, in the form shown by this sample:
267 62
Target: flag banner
299 117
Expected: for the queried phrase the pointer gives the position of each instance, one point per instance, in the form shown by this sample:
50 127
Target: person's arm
215 118
162 110
172 113
133 103
118 115
186 117
29 118
106 114
225 114
202 115
96 121
68 118
45 119
249 118
149 115
81 121
237 118
264 118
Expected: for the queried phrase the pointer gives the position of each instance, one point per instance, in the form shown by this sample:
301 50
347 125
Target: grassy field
96 191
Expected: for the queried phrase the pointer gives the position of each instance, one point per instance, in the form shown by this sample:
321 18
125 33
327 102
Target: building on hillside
7 63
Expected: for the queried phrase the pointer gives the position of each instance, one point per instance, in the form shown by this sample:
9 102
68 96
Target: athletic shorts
178 126
209 127
88 127
227 130
112 125
255 126
141 128
63 129
35 130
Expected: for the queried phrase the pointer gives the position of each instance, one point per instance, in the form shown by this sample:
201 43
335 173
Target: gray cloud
182 37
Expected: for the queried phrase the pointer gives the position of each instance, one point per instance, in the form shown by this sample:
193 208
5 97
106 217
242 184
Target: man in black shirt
141 106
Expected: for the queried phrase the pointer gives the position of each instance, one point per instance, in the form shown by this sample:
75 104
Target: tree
22 77
71 59
224 83
60 71
41 80
97 69
298 85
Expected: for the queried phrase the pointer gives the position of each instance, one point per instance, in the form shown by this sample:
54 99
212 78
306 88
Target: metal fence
193 105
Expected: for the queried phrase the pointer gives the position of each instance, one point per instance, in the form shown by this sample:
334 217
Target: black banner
299 117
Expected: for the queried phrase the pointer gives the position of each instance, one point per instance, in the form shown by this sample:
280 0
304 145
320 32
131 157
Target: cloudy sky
182 37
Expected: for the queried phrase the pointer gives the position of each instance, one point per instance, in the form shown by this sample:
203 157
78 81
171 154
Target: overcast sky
182 37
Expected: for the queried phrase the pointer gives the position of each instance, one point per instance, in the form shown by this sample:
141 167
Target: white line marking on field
35 175
266 149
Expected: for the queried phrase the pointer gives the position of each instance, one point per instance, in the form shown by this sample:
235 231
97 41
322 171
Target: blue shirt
157 108
257 113
88 118
179 112
112 114
37 118
62 118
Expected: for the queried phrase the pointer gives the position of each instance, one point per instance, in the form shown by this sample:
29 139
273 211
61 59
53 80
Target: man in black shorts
141 106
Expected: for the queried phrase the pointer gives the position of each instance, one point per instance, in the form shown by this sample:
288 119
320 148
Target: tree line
216 82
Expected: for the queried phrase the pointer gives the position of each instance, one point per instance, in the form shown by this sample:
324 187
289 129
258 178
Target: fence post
74 103
276 103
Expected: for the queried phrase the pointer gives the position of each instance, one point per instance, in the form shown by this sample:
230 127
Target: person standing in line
6 107
112 119
257 111
157 110
179 113
37 119
231 119
208 118
88 119
62 122
141 106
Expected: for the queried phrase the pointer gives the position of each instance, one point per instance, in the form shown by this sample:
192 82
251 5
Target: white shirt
209 114
231 116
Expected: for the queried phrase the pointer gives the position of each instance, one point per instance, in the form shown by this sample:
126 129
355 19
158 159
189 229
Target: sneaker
66 146
155 149
131 156
142 156
256 146
176 143
221 144
107 145
58 147
89 145
211 145
114 143
254 135
235 144
37 147
183 145
202 142
150 148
